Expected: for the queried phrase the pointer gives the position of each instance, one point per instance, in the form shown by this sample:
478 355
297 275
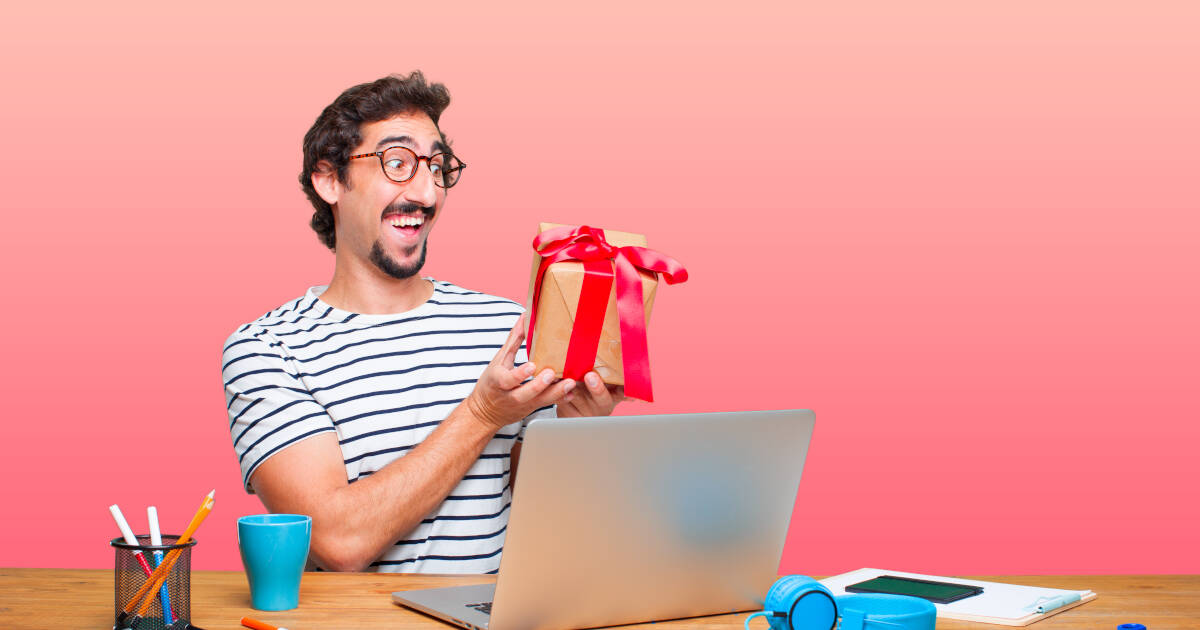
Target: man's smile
406 221
408 224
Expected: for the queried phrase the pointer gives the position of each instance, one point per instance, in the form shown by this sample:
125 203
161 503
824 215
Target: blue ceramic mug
274 549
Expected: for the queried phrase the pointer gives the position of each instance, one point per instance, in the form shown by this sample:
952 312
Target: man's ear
325 180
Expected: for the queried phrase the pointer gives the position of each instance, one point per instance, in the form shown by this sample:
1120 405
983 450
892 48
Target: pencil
160 574
258 625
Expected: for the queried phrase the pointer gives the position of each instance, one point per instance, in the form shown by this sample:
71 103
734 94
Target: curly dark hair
338 130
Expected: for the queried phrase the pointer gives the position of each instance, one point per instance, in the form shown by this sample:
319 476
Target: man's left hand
593 399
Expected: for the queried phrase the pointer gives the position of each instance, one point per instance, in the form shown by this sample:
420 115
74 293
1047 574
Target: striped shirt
381 384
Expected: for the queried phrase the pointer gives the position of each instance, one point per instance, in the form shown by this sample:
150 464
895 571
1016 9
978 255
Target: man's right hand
502 396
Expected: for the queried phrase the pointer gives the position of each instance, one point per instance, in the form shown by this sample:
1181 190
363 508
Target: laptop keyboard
484 607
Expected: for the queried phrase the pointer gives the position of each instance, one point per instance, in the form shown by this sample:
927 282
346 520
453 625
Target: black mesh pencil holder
130 579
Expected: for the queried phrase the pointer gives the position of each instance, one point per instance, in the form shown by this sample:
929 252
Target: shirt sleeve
545 412
269 406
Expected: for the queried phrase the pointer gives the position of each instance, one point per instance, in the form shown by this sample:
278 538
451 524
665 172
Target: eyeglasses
400 165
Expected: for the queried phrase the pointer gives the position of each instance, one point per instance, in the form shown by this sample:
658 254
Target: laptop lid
636 518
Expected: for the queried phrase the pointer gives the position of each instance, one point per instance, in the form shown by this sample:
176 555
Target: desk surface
83 598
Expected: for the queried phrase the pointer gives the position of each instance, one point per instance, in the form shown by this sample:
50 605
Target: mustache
406 208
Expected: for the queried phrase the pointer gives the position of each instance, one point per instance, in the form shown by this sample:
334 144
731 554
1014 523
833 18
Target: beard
394 269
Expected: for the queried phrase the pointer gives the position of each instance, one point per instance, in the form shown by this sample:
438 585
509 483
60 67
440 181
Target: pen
1046 604
156 540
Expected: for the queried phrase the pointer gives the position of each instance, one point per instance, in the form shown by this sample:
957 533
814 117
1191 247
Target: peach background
964 233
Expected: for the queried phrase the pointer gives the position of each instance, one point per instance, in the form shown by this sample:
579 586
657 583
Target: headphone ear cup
798 602
784 591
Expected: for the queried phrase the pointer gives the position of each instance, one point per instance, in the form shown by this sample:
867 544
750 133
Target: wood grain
83 598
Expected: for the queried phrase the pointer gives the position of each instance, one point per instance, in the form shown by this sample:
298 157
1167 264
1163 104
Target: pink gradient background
965 234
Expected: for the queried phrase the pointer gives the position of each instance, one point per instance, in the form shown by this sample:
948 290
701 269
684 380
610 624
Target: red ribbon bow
600 259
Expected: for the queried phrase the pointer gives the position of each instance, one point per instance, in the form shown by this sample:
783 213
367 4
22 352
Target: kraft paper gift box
557 311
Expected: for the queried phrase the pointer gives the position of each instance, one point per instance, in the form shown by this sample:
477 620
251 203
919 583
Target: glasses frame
426 158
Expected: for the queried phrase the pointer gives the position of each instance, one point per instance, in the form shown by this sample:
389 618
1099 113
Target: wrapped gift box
559 301
557 312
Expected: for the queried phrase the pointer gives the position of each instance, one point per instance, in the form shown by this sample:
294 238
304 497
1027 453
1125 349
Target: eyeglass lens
400 163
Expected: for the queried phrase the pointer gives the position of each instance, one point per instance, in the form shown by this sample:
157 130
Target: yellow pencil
160 574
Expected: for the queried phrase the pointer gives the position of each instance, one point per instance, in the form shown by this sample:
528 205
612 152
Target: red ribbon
602 262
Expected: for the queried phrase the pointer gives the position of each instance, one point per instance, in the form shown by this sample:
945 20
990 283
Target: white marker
155 535
130 539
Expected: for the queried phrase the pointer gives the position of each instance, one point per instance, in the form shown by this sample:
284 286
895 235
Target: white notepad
1003 604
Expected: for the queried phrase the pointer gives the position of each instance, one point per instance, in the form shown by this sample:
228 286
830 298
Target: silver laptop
638 518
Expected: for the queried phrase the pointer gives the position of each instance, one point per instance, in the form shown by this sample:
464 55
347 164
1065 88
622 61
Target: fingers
512 378
602 399
555 394
594 399
543 390
502 397
508 352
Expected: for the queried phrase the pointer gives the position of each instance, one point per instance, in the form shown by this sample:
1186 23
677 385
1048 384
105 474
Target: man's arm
354 523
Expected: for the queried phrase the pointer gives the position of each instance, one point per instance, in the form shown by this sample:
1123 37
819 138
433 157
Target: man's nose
420 189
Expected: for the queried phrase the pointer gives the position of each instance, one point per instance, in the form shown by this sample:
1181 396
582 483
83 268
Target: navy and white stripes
381 384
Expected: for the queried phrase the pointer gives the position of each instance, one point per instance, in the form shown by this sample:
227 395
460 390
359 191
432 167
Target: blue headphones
798 602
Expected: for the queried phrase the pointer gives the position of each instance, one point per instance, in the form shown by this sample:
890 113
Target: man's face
384 222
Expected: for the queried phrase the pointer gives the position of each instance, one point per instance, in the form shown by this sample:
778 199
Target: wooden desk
83 599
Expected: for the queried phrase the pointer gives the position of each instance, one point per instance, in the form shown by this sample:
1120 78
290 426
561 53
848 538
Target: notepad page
1003 601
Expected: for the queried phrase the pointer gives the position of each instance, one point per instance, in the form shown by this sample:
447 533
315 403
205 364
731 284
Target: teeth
406 221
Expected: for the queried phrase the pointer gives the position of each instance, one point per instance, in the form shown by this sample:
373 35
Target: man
388 406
